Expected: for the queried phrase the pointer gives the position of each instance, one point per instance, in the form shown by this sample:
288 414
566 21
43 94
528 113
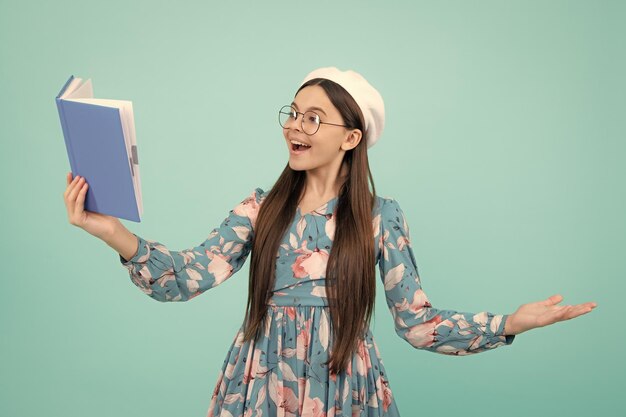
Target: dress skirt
284 374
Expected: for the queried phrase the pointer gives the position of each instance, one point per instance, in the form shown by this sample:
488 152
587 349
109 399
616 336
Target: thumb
555 299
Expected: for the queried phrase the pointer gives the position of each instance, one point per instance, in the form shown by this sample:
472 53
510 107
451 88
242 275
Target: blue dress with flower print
283 373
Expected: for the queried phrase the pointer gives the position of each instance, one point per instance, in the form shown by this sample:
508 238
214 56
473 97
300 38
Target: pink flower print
387 395
420 300
303 341
248 208
234 398
283 397
291 312
303 389
383 392
423 335
313 407
289 402
319 290
253 367
218 266
238 339
363 360
402 242
312 263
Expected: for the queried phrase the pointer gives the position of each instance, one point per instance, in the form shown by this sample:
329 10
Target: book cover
101 146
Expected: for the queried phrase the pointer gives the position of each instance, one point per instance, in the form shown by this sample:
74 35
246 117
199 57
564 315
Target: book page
100 101
133 143
128 125
70 88
75 89
85 90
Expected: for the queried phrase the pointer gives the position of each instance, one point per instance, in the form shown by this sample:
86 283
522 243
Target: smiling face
329 144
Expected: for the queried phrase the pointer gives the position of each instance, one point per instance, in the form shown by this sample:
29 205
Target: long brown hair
351 262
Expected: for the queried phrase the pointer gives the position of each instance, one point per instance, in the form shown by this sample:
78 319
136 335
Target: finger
578 310
557 298
71 197
75 189
80 199
67 197
589 304
70 187
583 308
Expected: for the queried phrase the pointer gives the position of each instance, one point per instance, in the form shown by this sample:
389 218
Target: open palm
544 312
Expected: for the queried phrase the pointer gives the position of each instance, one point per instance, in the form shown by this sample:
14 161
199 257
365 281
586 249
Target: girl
315 237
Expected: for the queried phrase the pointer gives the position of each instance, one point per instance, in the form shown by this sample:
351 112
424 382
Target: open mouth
299 148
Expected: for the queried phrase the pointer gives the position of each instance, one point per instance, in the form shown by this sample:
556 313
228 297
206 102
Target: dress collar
323 210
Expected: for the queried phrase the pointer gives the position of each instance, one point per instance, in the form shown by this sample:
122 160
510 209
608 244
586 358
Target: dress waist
303 293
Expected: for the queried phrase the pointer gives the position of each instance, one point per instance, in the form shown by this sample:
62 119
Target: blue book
101 146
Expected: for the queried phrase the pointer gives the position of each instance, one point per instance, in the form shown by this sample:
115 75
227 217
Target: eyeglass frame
319 119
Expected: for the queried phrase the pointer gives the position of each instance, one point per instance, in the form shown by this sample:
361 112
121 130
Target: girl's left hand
542 313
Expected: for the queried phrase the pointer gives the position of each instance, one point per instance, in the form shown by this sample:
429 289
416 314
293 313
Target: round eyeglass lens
310 123
285 115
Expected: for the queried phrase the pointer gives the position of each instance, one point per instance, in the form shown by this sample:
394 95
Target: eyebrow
293 103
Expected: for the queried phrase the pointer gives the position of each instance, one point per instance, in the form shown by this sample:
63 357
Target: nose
294 123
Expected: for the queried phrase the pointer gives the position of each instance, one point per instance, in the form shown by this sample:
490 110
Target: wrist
508 326
111 231
115 234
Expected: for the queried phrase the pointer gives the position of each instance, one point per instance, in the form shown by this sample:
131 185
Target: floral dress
283 373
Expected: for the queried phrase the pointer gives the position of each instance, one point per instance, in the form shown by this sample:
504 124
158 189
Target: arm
167 275
421 325
122 240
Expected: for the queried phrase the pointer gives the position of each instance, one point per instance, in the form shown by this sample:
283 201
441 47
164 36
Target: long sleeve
167 275
416 320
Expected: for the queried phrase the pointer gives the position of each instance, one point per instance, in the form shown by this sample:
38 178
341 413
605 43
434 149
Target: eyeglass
310 120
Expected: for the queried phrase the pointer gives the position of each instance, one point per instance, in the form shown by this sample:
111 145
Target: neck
326 184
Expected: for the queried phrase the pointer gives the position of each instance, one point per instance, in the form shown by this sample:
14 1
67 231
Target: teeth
299 143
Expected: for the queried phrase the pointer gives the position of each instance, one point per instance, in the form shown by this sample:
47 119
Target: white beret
367 97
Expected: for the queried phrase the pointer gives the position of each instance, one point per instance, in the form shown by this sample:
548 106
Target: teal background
504 145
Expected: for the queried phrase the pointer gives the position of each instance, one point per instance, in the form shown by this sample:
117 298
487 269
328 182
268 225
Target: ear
352 140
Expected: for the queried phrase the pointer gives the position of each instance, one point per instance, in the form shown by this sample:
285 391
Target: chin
296 166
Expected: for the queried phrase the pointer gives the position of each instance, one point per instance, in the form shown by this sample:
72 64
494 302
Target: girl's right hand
97 224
